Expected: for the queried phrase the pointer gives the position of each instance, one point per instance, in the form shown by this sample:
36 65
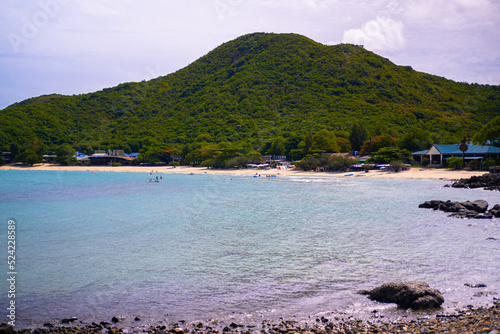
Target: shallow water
96 245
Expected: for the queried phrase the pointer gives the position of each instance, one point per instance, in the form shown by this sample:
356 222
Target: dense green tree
308 163
254 157
455 162
30 157
386 155
278 146
357 136
325 141
489 132
237 162
376 143
37 146
415 139
14 151
344 145
64 155
341 163
308 142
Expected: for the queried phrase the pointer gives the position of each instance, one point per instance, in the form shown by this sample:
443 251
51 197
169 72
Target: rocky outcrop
486 181
477 209
414 295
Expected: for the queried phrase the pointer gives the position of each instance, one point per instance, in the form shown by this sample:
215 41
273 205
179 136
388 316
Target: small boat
349 175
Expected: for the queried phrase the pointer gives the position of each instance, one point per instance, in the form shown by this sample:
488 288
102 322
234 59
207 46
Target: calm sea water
236 248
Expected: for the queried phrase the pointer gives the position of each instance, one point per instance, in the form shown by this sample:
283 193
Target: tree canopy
251 91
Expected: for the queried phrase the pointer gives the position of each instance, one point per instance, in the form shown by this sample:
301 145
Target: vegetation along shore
261 94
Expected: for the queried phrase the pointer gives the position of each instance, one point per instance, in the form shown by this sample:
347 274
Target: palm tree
464 147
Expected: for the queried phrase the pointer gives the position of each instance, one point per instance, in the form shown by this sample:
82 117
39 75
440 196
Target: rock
68 320
483 216
414 295
7 329
115 320
486 181
430 204
479 205
476 209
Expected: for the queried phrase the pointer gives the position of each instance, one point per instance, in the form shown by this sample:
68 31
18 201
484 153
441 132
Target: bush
488 163
341 163
454 162
367 167
308 163
174 163
397 165
115 164
387 154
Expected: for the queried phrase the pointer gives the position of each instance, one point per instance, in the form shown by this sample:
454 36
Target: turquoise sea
233 247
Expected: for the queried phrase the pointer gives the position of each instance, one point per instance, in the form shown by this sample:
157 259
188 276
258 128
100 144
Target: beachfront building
438 154
109 156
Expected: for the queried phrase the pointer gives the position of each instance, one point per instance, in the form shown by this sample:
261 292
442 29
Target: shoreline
412 173
468 320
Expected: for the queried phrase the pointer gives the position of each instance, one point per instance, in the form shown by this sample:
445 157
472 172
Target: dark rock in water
137 319
68 320
115 320
414 295
479 206
479 285
486 181
431 204
7 329
477 209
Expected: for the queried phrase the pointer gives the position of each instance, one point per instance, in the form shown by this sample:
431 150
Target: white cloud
452 14
379 34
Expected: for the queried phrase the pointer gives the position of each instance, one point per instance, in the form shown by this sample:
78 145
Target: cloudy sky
80 46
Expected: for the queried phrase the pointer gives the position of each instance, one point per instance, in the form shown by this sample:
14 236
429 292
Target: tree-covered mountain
252 90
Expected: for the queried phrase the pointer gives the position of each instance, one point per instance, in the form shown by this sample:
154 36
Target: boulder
477 209
486 181
479 205
431 204
414 295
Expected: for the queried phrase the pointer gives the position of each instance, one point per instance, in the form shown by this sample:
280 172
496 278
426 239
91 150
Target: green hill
251 90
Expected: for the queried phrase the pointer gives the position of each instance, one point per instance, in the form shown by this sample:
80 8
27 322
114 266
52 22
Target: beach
472 320
411 173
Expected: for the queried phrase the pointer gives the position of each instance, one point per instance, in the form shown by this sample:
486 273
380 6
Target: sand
412 173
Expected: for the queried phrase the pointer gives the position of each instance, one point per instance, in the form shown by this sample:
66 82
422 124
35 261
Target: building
438 154
110 156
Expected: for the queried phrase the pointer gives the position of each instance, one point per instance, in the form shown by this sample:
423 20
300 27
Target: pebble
472 320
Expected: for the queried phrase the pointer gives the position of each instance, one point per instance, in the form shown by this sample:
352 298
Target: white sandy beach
412 173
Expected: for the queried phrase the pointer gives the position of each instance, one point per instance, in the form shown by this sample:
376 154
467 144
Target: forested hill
251 90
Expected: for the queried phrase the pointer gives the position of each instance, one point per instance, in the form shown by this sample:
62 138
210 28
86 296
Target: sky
81 46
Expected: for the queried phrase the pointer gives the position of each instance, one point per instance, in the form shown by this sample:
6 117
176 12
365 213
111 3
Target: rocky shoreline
477 209
470 320
486 181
